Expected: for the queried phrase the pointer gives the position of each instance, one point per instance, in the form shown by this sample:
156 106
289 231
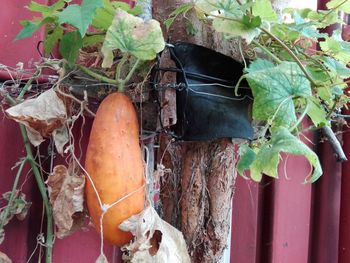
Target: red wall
276 221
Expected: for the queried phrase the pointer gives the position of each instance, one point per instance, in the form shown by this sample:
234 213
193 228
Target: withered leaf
155 240
101 259
66 192
4 258
19 207
41 116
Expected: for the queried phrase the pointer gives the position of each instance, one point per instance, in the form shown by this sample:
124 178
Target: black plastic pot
207 107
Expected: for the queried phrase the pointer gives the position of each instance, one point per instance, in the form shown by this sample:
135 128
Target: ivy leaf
182 9
247 157
335 67
132 35
70 45
46 10
253 22
51 39
285 32
323 18
336 48
259 64
235 29
103 18
29 27
264 10
340 5
28 30
268 157
274 89
92 40
316 112
225 6
80 16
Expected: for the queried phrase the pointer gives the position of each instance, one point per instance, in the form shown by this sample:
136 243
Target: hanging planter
207 107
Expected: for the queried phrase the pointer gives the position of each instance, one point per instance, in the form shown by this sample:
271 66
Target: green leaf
335 67
323 18
341 5
103 18
70 45
46 10
268 157
247 157
285 32
336 48
259 64
182 9
225 6
274 89
80 16
316 112
251 22
235 29
51 39
28 30
93 40
29 27
132 35
264 10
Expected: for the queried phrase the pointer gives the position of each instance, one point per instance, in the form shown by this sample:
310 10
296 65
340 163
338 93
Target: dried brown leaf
66 191
61 138
156 241
4 258
41 115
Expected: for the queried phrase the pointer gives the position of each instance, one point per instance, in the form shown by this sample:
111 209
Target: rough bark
196 195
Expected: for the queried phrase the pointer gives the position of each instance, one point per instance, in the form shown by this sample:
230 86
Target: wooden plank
291 212
245 220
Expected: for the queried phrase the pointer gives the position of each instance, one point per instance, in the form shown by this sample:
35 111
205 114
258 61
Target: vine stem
128 77
41 186
97 75
13 194
291 53
332 10
268 52
301 117
42 189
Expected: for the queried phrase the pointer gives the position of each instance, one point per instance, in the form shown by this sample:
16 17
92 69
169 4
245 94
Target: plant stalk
291 53
268 52
128 77
41 186
96 75
42 189
13 194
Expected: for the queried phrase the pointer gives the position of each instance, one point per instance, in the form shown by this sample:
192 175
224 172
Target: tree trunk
196 195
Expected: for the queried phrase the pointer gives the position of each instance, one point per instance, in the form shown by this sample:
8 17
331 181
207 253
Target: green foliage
267 156
182 9
70 45
290 84
132 35
80 16
274 89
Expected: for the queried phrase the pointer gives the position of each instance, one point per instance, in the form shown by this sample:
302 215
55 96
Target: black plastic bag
207 107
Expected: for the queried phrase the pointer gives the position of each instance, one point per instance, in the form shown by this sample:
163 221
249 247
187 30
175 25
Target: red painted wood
326 209
245 222
344 228
11 51
291 212
15 244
